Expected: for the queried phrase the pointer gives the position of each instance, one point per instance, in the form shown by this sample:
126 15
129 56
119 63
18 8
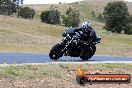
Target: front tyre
55 52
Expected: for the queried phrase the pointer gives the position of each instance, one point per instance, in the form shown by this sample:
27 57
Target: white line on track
97 62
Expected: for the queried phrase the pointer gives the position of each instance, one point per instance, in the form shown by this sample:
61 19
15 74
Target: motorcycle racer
77 42
88 33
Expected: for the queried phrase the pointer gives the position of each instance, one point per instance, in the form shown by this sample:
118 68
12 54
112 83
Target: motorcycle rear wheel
87 57
88 54
55 52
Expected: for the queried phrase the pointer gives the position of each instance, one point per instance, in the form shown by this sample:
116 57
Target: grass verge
57 75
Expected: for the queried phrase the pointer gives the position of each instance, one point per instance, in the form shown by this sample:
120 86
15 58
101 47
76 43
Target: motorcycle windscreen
70 30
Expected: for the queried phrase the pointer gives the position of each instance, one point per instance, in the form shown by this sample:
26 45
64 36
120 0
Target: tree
65 20
68 10
7 7
93 14
116 16
72 17
50 16
59 2
44 16
54 17
131 18
76 2
100 17
26 12
128 29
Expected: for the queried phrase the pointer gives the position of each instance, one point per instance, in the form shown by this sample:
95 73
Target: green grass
31 71
10 71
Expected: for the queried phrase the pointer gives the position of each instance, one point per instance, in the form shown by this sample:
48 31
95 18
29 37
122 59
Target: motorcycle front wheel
56 51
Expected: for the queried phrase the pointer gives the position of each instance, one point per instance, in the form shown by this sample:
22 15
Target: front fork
66 46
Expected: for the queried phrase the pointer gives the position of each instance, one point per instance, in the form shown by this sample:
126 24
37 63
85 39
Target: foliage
7 7
71 18
65 20
128 29
44 16
54 17
11 71
26 12
116 16
59 2
51 16
76 2
69 10
100 17
131 18
93 14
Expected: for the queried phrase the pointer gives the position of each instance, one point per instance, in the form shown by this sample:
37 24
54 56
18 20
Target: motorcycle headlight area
68 37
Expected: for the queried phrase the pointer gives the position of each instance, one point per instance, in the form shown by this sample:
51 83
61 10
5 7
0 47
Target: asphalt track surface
22 58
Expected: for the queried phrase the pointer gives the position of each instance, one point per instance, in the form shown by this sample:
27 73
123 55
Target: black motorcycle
71 46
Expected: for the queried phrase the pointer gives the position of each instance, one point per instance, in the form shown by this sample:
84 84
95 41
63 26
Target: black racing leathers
89 34
88 37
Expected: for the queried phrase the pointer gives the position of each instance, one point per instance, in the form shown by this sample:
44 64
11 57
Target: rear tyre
89 55
55 52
